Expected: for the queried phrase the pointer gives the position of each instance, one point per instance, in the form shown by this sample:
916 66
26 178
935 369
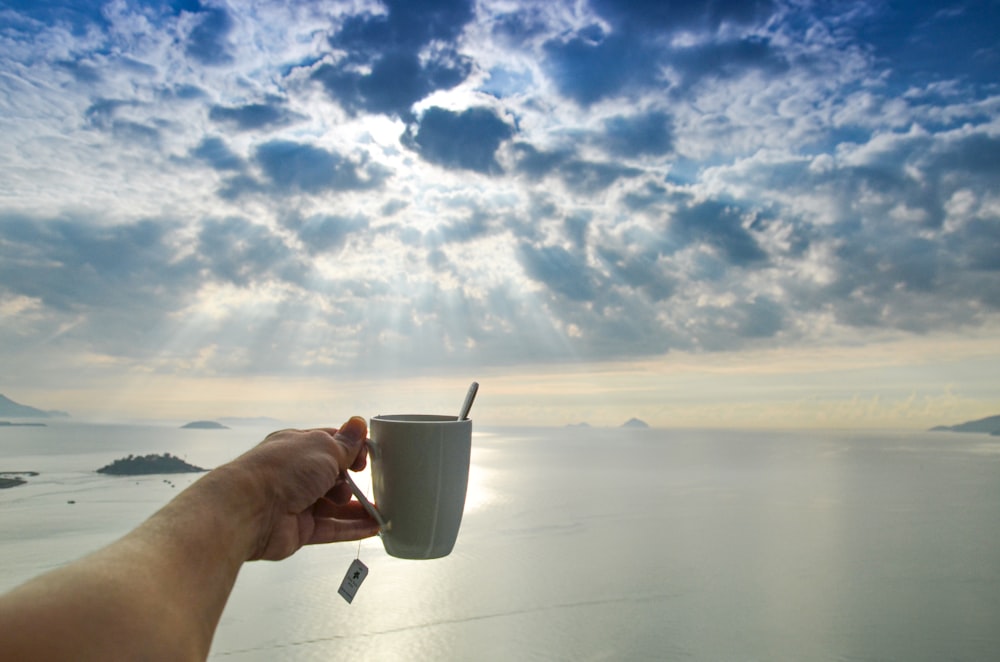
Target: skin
158 592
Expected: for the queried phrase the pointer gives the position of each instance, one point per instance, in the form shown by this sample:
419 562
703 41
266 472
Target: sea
590 544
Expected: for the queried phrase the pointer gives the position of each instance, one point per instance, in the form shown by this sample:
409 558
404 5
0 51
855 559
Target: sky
716 213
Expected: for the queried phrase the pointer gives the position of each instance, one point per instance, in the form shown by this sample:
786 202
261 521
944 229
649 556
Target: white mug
420 474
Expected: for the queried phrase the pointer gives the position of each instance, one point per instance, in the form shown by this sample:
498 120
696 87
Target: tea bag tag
352 580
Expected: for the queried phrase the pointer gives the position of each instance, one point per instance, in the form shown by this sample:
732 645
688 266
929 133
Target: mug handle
360 496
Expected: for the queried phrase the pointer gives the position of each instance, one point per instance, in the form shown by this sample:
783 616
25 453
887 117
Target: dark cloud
131 271
588 69
272 112
241 252
592 65
639 135
208 41
101 112
466 140
299 167
388 67
184 92
591 177
721 226
215 152
406 26
103 115
729 59
640 270
658 16
83 72
326 233
563 272
395 81
577 174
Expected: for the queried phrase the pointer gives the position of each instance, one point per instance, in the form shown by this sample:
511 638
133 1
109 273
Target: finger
351 510
350 441
340 492
361 461
330 529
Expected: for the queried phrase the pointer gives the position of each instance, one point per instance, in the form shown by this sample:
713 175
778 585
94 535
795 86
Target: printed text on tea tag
352 580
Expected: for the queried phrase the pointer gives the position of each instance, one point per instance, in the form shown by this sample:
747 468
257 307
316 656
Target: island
635 423
989 425
8 424
13 478
204 425
11 409
139 465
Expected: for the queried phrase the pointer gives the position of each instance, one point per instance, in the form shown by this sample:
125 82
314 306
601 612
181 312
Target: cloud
651 16
214 151
465 140
240 252
560 270
271 113
589 68
389 64
703 176
721 226
646 134
579 175
326 233
208 42
294 167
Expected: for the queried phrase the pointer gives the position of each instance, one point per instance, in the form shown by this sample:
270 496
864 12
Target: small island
204 425
635 423
13 478
8 424
134 465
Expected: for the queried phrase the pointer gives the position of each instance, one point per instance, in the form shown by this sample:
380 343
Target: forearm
157 593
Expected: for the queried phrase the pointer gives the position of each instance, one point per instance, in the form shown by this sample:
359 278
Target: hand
306 498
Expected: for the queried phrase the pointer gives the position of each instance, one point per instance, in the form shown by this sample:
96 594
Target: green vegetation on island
135 465
13 478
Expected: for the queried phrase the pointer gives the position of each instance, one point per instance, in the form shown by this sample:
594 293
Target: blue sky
719 212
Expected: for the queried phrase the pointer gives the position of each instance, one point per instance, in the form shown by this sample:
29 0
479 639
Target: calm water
594 545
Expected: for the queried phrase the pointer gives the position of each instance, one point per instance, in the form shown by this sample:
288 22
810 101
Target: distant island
11 409
8 424
204 425
635 423
149 464
13 478
988 425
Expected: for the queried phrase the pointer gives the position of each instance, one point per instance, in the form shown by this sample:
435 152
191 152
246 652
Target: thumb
350 437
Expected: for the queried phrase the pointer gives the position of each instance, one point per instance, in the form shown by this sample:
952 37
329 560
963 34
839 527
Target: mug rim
418 418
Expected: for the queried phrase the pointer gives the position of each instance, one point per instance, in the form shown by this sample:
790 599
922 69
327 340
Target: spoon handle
469 397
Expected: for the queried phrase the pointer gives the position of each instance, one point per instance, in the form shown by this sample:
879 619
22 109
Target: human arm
158 592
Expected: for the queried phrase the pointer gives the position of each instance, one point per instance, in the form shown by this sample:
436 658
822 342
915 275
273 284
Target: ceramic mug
420 474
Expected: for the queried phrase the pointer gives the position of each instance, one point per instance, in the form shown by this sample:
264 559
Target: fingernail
353 430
